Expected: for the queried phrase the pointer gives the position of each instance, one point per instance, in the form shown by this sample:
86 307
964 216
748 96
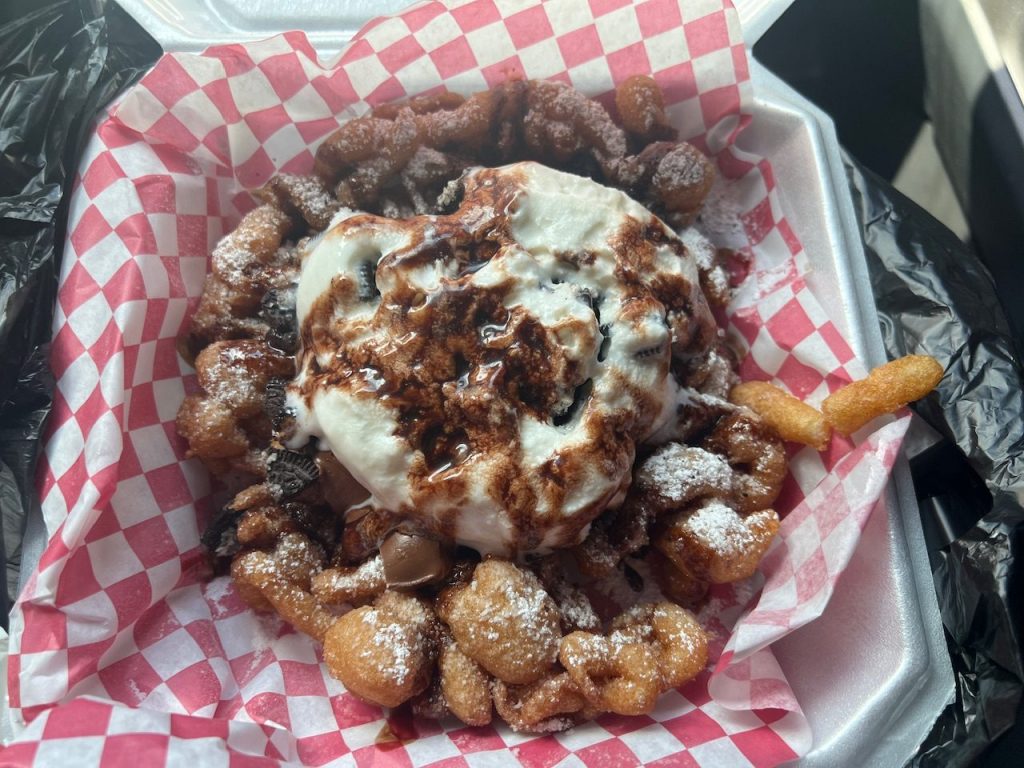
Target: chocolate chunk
288 472
412 561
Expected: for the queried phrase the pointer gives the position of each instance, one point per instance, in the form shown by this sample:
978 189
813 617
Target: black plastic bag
59 64
935 297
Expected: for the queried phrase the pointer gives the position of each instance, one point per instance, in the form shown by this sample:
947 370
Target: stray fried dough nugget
642 108
466 687
886 389
505 621
384 653
793 419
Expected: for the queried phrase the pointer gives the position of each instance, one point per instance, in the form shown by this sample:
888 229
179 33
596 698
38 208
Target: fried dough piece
466 686
675 634
716 544
756 455
504 620
642 109
279 580
613 677
245 264
353 585
545 706
384 653
793 419
227 419
886 389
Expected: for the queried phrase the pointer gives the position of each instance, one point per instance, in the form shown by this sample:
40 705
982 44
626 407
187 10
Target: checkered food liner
122 651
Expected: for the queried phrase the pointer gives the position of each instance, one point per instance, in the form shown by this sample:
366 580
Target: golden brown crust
793 419
505 621
642 109
714 543
226 420
384 653
675 635
466 686
350 585
545 706
613 677
887 388
757 456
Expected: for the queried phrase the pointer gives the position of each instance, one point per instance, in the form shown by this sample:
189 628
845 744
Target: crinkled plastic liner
58 65
935 297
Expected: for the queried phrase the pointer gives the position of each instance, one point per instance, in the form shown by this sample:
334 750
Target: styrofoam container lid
192 25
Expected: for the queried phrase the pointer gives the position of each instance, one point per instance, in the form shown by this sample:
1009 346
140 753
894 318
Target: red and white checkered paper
120 652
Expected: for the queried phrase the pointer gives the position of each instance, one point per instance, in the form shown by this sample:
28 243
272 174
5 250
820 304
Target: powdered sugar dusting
705 253
680 473
720 528
399 624
310 194
525 605
680 168
395 637
368 577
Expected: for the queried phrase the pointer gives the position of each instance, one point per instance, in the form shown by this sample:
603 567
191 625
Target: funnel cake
462 376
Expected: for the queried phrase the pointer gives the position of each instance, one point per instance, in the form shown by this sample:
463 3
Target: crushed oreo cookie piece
648 352
592 299
606 339
580 395
451 196
277 310
274 402
289 472
366 285
219 537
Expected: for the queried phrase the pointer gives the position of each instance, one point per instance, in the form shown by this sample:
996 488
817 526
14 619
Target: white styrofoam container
872 672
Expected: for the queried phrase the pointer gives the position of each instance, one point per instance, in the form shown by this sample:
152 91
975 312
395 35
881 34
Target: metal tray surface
872 672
